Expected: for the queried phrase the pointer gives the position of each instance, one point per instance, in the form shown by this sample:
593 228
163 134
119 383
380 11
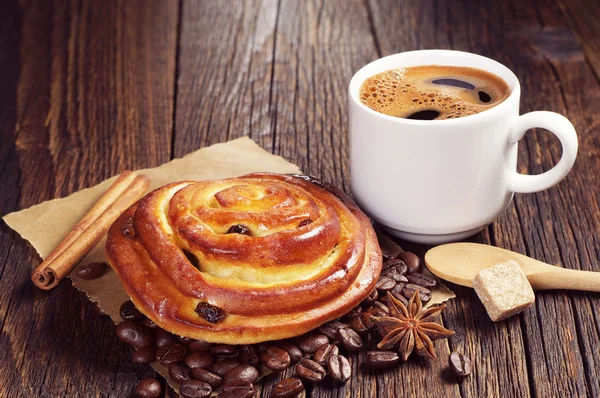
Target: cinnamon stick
126 189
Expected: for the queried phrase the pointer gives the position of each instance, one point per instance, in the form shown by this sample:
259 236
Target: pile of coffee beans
201 368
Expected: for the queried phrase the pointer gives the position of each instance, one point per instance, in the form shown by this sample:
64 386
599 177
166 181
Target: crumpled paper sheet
46 224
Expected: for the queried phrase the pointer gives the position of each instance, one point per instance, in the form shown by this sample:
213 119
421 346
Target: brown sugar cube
504 290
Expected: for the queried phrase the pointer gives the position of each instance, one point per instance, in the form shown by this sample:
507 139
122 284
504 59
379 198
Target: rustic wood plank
94 95
555 71
10 25
318 50
225 72
498 350
290 96
582 16
224 77
576 201
491 32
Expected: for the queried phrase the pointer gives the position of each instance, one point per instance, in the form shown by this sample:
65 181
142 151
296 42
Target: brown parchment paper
46 224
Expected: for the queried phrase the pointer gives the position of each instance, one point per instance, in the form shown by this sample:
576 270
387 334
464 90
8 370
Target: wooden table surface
90 88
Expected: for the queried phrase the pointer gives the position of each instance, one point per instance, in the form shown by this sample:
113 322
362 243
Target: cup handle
561 127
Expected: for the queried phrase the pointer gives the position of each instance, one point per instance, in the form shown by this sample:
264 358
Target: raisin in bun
244 260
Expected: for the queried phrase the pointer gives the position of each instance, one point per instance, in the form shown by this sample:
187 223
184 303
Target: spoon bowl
460 262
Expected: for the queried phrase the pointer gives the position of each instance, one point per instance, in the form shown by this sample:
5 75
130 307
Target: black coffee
433 92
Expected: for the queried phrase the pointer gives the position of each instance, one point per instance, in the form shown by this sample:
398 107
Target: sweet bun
244 260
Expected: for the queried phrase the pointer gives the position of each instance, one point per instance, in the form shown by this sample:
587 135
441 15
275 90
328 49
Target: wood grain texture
582 17
497 350
94 95
90 88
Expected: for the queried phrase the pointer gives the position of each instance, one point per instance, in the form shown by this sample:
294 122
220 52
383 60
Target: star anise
411 329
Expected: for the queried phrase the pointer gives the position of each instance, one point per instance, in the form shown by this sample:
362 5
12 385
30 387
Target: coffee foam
403 92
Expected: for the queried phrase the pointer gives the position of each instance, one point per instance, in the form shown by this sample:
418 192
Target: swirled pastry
244 260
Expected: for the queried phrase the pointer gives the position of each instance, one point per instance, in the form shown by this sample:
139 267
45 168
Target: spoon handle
562 278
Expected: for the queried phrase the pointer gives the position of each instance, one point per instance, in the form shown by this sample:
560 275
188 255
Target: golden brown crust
282 281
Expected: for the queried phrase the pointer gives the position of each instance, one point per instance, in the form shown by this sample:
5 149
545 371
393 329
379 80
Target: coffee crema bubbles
433 92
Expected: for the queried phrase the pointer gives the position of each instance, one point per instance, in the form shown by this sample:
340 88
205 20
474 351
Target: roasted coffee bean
225 351
207 376
249 355
337 325
199 360
324 352
184 340
162 337
292 349
394 274
354 311
304 223
261 347
287 388
239 229
399 265
310 370
389 263
380 308
211 313
195 389
275 358
310 344
367 318
241 372
460 364
179 372
238 389
224 366
128 312
411 260
149 323
377 312
144 355
135 334
398 293
350 340
382 359
348 317
148 388
390 251
384 284
410 289
91 271
371 298
423 280
328 331
357 324
198 346
362 323
397 289
339 369
170 353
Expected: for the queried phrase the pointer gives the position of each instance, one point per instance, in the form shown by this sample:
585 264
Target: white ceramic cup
435 181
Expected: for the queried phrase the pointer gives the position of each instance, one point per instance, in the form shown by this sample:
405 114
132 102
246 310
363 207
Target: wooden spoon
460 262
